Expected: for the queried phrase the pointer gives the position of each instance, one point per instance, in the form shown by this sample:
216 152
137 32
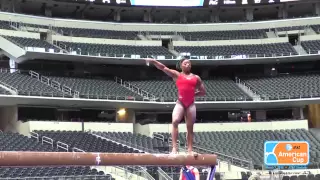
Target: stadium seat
312 47
26 85
285 86
219 89
97 88
31 42
18 142
251 146
256 50
113 50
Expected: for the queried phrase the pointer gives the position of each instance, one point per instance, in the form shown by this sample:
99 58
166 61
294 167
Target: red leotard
186 89
191 169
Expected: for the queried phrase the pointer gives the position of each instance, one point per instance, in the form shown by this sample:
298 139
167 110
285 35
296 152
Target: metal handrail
222 156
8 86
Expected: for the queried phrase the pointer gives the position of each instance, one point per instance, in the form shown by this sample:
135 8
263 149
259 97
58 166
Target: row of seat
17 142
131 35
251 146
218 89
285 86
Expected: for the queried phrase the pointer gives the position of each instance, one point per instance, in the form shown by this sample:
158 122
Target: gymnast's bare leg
191 114
177 115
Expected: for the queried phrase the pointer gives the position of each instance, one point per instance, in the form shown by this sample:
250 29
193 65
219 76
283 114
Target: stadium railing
233 160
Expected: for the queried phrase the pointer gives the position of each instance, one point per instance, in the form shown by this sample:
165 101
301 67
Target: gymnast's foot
190 152
174 151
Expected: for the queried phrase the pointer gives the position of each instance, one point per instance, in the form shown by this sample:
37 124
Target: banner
286 153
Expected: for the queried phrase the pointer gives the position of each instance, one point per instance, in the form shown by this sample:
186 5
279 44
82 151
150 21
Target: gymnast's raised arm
170 72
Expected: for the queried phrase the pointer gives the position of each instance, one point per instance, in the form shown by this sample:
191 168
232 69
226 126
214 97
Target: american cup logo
286 153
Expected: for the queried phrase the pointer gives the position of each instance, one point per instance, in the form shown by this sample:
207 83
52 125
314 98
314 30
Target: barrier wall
230 42
111 127
55 126
149 129
156 27
77 126
25 34
106 41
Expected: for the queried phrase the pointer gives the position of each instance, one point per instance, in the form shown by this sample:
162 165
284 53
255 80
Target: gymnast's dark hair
178 65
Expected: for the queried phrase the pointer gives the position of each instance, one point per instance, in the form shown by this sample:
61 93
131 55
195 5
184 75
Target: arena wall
106 41
149 129
77 126
9 119
19 34
231 42
310 37
157 27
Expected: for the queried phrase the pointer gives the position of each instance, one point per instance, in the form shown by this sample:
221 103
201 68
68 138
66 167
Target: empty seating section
137 141
251 145
224 35
86 142
30 42
5 25
219 89
18 142
118 50
292 28
26 85
285 86
97 33
316 28
312 47
97 88
301 176
260 50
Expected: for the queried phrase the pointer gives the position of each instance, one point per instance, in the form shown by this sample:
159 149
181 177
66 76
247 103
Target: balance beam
21 158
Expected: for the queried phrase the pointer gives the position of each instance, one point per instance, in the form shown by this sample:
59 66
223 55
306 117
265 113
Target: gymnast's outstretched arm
170 72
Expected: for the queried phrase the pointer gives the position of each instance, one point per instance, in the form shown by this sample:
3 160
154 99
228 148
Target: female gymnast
189 86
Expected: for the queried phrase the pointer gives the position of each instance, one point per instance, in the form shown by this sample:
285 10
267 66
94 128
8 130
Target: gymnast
189 172
189 85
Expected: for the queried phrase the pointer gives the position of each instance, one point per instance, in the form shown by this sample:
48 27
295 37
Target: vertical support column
13 65
9 119
117 15
183 16
314 115
147 16
296 114
283 11
249 14
214 16
317 8
48 11
301 113
126 115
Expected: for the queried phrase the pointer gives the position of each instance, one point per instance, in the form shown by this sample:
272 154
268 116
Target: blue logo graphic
270 157
288 147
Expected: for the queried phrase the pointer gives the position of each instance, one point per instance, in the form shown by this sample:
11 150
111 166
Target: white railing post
62 146
46 139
